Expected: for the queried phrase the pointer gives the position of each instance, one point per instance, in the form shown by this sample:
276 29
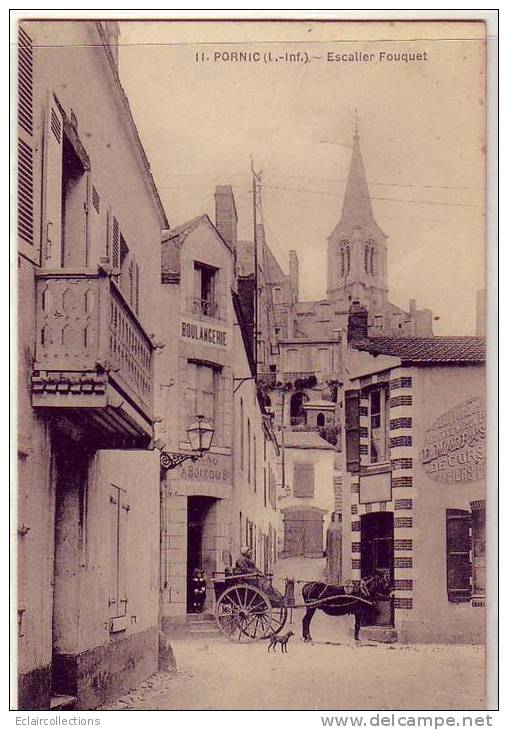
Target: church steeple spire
357 245
356 208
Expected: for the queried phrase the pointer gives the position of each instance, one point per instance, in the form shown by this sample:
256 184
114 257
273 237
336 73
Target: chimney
294 273
226 218
412 308
357 325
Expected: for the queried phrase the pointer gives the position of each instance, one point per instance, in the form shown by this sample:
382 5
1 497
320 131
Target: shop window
458 555
118 513
378 422
303 479
204 289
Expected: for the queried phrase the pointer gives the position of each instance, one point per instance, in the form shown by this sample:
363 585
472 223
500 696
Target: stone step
197 618
383 634
62 702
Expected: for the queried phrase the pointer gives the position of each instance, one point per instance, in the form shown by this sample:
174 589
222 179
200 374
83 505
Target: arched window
372 261
344 257
296 412
320 420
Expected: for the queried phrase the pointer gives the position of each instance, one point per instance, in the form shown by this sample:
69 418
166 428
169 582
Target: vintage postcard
252 415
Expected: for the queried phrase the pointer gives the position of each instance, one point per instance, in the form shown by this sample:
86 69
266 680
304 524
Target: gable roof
428 350
172 241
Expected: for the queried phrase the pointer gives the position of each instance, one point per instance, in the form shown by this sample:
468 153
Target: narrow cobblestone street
215 674
331 673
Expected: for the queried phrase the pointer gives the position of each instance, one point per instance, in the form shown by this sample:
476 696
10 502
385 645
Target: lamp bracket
172 460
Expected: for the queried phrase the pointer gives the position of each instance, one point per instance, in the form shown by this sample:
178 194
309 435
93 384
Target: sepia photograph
251 265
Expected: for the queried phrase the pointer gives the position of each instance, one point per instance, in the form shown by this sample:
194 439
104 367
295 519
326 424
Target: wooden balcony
93 365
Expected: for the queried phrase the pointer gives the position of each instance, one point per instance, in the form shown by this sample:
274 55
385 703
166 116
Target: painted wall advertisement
454 445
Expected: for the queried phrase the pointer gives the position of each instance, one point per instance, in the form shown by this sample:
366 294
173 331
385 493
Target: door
294 537
377 554
198 542
303 532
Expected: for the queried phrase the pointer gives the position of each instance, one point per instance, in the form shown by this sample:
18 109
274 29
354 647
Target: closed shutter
458 555
303 480
118 562
96 240
136 290
113 553
479 547
122 555
113 242
352 422
28 238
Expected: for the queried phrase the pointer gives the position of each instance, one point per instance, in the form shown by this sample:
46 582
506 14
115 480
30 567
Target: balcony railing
92 351
204 308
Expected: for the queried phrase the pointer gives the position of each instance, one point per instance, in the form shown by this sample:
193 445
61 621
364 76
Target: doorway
199 542
377 554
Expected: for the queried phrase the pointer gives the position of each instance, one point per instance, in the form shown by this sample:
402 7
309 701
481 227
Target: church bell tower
357 245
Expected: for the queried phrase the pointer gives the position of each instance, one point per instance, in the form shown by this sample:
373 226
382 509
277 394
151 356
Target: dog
282 640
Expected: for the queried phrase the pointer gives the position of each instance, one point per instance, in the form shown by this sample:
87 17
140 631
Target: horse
337 600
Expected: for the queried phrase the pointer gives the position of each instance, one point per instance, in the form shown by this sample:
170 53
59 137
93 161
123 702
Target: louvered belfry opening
25 139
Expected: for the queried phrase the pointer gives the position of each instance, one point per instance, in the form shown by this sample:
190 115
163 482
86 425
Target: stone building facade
87 596
212 506
414 480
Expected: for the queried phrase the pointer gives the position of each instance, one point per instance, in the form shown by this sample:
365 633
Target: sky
421 128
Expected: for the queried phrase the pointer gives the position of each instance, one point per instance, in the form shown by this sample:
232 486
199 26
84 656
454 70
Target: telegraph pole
256 192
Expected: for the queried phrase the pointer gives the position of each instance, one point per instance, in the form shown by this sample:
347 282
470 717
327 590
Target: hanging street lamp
200 434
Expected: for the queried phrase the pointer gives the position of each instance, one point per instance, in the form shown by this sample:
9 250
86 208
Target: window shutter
115 243
479 546
113 553
352 422
122 555
303 479
53 185
136 291
96 241
458 555
28 238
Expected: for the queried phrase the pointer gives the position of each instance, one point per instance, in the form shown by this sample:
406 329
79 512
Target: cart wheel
243 613
277 621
